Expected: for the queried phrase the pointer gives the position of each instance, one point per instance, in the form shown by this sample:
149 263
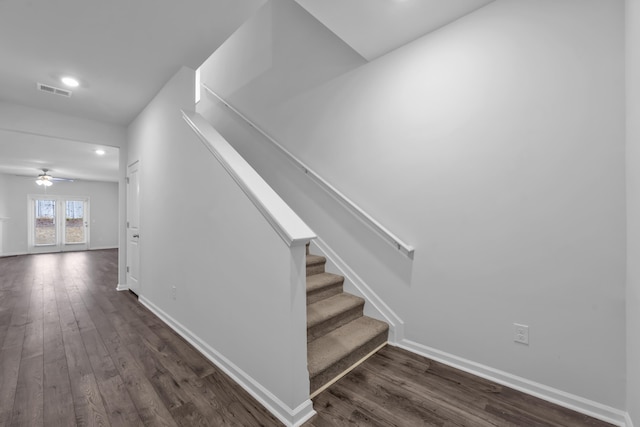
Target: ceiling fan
45 179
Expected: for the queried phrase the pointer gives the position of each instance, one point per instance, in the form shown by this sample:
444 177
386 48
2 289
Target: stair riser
321 378
334 322
326 292
315 269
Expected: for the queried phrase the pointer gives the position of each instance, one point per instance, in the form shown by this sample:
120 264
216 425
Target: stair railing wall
352 207
284 221
254 324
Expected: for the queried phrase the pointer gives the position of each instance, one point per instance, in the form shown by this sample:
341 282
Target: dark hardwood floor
74 351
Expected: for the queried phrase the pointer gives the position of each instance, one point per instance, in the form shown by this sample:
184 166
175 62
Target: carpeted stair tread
323 285
322 280
315 264
332 306
332 354
330 313
315 259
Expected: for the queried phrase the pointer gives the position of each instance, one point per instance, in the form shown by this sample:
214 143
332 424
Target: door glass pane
45 226
74 222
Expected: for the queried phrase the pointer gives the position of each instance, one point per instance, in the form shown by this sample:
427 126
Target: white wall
35 121
495 146
633 209
257 66
103 210
3 195
235 296
3 208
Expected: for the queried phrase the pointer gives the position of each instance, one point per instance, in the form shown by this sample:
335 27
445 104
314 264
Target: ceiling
375 27
63 158
124 51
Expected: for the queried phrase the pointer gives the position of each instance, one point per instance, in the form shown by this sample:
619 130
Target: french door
58 223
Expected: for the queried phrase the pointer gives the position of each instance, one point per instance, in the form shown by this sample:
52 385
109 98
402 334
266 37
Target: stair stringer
374 305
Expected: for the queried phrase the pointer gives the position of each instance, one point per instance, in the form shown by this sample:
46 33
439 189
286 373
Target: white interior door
133 227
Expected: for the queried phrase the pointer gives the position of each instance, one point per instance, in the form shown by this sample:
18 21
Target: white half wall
495 146
633 209
211 265
103 210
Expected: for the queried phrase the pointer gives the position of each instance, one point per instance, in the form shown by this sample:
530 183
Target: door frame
60 206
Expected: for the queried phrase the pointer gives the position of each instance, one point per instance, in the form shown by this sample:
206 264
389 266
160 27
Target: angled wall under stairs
339 336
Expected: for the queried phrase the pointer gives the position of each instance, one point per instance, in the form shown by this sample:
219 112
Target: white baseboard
396 325
14 253
396 337
293 417
122 287
558 397
36 253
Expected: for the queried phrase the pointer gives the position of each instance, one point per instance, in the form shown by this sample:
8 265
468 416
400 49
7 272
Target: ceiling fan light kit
47 180
44 180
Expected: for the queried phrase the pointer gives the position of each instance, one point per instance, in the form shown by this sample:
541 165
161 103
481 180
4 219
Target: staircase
339 336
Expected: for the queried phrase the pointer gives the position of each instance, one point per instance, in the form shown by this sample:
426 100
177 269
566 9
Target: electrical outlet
521 333
174 291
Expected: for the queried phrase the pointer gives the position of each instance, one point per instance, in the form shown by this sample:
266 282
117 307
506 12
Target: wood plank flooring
74 351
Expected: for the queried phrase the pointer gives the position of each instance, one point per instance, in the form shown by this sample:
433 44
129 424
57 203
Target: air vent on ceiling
54 90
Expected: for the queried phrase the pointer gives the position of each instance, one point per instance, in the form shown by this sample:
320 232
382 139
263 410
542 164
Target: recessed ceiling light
100 152
70 81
